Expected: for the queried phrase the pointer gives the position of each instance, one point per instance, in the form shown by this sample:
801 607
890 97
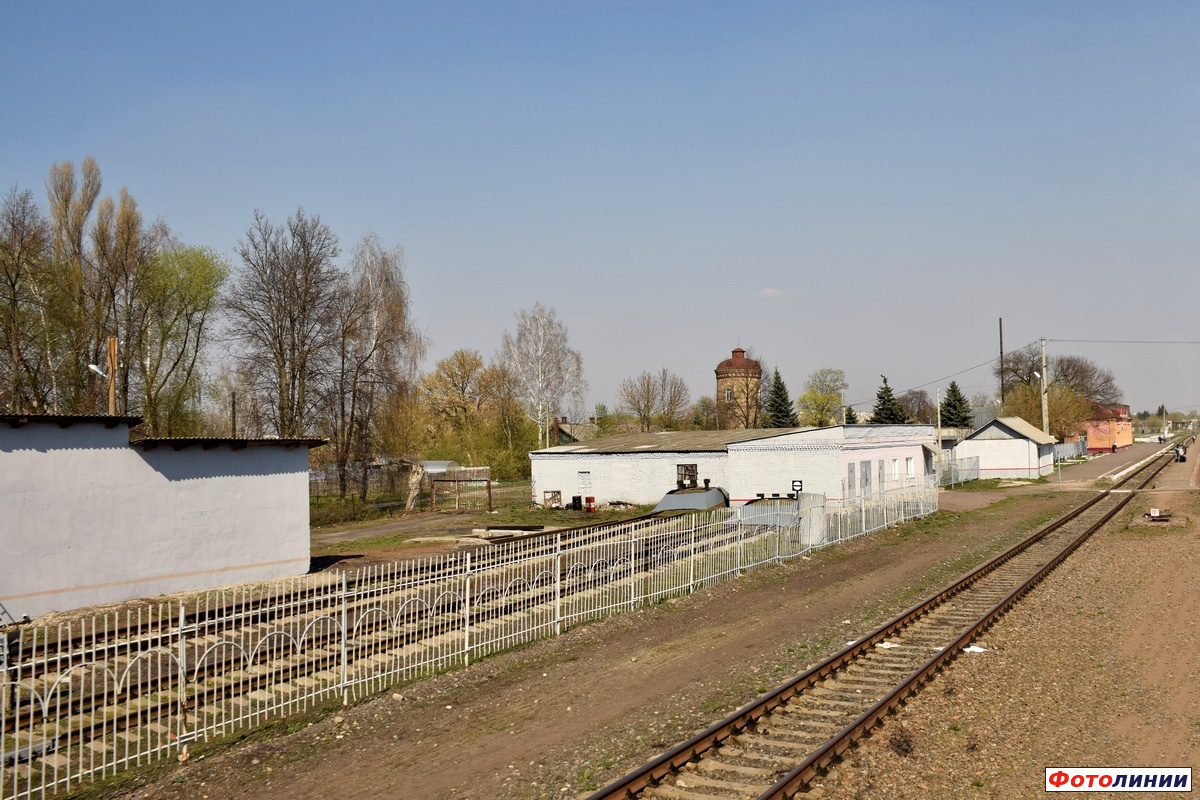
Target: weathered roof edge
1018 426
67 420
211 442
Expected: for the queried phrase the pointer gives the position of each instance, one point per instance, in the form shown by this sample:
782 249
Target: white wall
768 465
638 478
86 519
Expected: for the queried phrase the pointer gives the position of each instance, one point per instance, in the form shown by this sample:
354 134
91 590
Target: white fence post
632 571
692 559
557 584
467 613
345 636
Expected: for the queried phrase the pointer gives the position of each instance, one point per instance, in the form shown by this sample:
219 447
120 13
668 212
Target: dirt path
565 715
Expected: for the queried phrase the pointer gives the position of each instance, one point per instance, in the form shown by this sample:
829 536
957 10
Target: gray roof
67 420
1019 427
668 442
211 442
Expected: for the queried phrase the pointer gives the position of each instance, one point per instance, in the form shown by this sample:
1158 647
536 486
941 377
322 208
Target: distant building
1109 425
1009 447
738 382
840 462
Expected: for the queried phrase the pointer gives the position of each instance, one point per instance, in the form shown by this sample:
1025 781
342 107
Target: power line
947 377
1125 341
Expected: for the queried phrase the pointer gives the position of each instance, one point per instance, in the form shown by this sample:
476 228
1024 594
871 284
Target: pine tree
780 413
851 416
956 409
888 410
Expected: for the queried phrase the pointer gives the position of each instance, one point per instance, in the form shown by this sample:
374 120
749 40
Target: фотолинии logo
1118 779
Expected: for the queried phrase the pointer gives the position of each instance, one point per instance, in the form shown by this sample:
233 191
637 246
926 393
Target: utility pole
1045 401
1002 365
938 395
112 376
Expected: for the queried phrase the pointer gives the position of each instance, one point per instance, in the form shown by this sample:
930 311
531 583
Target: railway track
774 747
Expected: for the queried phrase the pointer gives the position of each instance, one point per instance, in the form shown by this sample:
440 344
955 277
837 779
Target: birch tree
543 364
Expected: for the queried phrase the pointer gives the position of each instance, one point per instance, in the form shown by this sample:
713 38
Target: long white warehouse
841 462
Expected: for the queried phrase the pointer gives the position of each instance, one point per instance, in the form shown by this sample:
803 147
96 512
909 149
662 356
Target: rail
747 718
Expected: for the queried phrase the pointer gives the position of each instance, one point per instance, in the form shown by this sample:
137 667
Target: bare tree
23 254
656 400
919 405
1087 379
1082 375
674 397
374 350
639 396
543 364
282 310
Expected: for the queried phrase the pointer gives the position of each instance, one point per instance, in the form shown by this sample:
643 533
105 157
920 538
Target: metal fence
953 471
84 699
1064 451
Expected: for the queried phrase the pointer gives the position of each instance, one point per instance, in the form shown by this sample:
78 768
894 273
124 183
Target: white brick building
842 461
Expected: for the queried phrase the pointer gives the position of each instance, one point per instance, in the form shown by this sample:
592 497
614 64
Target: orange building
1109 425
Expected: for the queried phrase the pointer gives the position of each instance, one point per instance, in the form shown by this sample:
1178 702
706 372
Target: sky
866 186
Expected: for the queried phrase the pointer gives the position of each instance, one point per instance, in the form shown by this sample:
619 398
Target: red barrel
589 504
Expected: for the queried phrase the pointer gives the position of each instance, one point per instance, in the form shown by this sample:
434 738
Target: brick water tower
738 381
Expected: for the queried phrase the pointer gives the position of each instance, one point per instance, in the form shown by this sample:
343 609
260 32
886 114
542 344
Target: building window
882 477
864 477
895 469
851 491
585 482
687 474
908 468
729 395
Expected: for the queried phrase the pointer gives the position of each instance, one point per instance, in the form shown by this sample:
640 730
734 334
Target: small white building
842 461
1009 447
88 517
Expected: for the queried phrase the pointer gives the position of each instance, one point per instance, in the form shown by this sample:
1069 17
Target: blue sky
864 185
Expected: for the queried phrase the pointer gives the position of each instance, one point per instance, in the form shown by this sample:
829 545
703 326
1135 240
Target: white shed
89 517
1009 447
842 461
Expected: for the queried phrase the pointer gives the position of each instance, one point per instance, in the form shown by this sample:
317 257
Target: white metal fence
953 471
83 699
1064 451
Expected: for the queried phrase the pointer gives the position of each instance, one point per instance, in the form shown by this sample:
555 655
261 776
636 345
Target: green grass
994 484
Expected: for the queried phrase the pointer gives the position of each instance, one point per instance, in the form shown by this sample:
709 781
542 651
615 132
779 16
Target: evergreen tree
888 410
956 409
851 416
780 413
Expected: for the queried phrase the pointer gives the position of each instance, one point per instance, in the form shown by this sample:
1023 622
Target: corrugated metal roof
667 442
1019 427
210 442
